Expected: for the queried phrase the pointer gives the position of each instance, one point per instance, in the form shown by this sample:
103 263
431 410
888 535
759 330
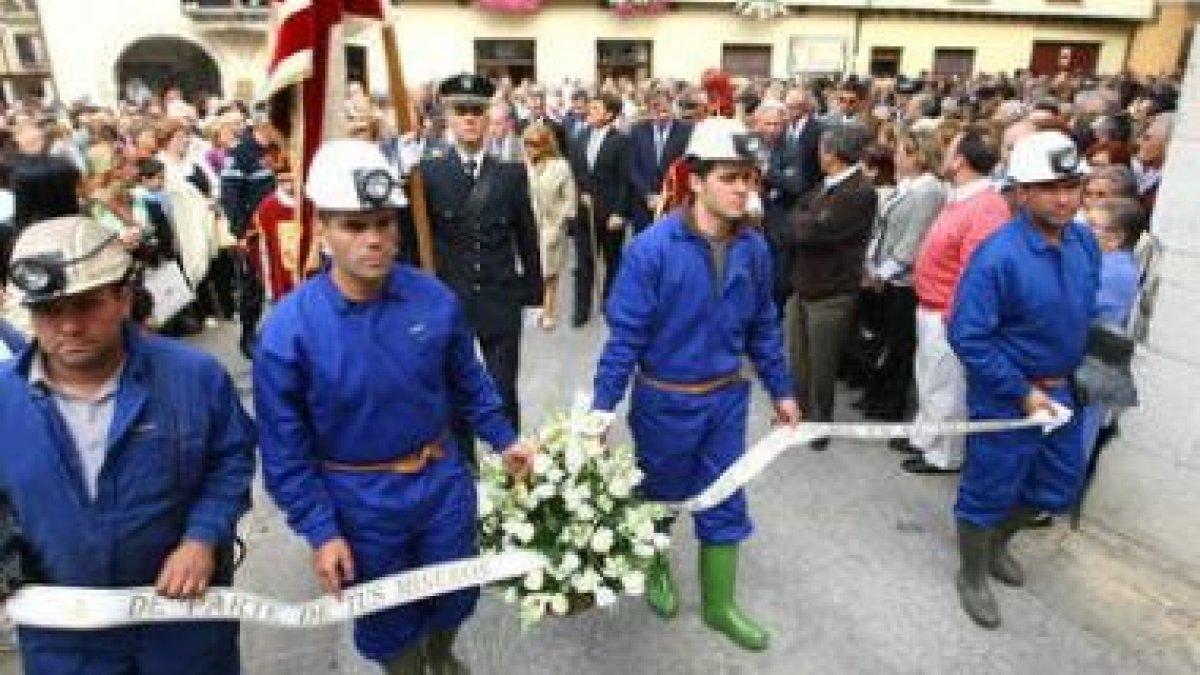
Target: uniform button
477 268
477 288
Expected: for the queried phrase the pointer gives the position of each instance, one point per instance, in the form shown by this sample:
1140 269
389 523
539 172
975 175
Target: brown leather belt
410 463
1048 382
706 387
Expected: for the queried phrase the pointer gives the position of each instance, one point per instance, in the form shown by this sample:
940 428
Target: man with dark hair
692 300
485 239
131 458
600 163
973 211
575 119
831 227
536 101
655 145
358 375
1020 328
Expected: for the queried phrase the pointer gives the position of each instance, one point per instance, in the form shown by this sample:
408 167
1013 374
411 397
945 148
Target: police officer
1019 327
485 238
357 375
692 297
128 457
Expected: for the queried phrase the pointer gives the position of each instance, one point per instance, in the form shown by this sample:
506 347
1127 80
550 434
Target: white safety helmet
1045 156
721 139
351 174
65 256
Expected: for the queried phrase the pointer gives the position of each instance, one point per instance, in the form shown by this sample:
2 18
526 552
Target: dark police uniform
485 247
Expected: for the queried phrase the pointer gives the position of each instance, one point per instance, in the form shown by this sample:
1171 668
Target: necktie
660 141
469 166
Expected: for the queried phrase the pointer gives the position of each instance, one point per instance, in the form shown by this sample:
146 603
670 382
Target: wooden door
749 61
1077 58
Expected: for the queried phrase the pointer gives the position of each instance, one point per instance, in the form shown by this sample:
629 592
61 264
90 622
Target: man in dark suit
831 228
575 124
655 144
536 101
781 188
483 225
801 136
600 162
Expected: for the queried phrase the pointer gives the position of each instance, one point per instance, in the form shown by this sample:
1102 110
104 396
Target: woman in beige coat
553 195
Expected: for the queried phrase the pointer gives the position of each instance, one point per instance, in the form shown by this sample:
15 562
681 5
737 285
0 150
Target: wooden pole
405 124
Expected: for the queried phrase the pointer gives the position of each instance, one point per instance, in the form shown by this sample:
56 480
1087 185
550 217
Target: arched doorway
153 64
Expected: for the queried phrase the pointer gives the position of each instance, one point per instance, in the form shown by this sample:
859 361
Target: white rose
542 463
644 530
559 604
569 563
486 505
586 581
544 491
555 475
534 580
585 512
602 541
643 550
532 610
634 582
620 488
661 541
605 597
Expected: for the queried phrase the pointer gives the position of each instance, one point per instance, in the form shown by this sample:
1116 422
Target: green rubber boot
411 662
660 588
439 655
718 584
1002 564
974 547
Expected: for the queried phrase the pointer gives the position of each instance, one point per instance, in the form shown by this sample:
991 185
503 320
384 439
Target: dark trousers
888 387
821 330
502 359
591 233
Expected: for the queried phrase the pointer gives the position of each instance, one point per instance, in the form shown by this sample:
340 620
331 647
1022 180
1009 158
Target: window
356 66
27 50
885 61
514 59
623 58
751 61
953 62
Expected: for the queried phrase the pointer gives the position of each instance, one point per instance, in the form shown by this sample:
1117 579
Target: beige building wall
999 43
86 39
438 39
1157 45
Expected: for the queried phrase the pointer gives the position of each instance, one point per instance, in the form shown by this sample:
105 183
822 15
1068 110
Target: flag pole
405 124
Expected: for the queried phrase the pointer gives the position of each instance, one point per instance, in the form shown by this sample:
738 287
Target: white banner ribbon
767 450
75 608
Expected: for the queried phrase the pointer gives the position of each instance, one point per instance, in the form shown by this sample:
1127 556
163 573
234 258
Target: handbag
170 290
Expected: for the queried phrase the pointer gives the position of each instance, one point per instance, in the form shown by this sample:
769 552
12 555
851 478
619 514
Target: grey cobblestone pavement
851 567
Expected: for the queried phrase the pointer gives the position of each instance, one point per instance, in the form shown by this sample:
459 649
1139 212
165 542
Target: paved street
851 567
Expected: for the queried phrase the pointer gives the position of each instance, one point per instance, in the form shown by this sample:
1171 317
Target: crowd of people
948 245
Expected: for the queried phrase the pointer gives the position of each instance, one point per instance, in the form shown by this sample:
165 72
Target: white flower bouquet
578 509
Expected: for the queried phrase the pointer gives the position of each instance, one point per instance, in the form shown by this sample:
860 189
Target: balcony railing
228 15
226 10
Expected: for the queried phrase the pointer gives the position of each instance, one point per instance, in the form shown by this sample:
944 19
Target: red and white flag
309 52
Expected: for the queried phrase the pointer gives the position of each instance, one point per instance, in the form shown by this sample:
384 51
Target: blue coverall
368 382
672 320
1021 316
179 465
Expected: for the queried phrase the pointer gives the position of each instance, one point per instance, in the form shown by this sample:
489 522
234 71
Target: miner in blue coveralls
693 296
1019 326
356 378
127 458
